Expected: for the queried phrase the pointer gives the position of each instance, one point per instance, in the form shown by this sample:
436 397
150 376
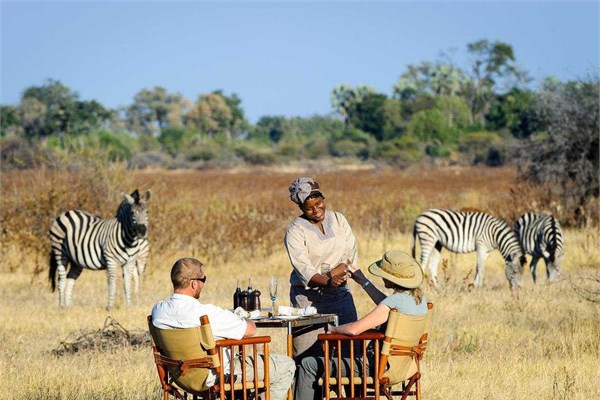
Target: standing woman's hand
338 275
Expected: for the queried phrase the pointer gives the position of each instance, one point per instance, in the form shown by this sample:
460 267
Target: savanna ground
484 344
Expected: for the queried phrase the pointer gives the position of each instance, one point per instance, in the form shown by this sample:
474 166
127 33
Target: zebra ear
136 195
127 198
147 195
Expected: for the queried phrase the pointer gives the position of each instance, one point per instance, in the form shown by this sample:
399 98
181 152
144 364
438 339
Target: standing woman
320 245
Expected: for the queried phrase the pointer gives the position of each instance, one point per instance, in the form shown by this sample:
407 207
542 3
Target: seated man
183 310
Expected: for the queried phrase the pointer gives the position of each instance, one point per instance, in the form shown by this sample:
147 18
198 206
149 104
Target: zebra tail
52 273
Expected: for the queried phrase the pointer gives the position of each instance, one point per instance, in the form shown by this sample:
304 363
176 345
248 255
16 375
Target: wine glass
273 291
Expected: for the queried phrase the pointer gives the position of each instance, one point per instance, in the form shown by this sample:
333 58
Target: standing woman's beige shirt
312 252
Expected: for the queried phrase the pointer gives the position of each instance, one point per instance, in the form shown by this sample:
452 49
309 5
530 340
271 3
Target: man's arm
250 328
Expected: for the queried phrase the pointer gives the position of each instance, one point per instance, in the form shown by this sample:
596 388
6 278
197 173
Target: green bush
289 149
348 148
428 125
117 147
18 153
173 139
101 145
316 148
401 151
482 147
147 143
254 154
436 149
203 152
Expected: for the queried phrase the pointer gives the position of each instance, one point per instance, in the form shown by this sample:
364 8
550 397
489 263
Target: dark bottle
250 296
236 296
256 298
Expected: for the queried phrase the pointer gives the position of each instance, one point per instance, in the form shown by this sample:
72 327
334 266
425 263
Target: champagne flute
273 292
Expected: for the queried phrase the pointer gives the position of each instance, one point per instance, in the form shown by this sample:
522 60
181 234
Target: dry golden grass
484 343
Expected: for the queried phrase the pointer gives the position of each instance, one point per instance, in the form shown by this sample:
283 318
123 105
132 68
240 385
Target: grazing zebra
84 240
465 232
542 237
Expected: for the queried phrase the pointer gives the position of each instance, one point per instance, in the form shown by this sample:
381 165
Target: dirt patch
110 338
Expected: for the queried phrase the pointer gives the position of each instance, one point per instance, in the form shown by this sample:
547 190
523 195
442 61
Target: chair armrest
243 341
367 335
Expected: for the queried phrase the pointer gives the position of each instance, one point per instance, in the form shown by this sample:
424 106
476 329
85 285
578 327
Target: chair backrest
404 344
189 354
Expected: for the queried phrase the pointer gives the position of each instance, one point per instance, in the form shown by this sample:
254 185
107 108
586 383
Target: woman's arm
375 294
373 319
335 277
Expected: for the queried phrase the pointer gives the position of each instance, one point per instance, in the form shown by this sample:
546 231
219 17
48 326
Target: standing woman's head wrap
302 188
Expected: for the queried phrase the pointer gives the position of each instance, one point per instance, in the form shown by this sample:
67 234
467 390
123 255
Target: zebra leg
129 270
434 261
480 269
138 271
111 270
62 280
135 274
72 276
533 266
425 250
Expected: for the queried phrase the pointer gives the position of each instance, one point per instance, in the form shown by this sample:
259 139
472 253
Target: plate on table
288 317
259 317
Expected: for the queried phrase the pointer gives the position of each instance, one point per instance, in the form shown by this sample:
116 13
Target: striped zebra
541 236
465 232
83 240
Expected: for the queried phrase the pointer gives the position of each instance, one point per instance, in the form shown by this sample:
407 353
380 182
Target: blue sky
281 58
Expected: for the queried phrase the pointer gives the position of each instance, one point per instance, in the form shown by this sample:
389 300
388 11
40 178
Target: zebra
84 240
465 232
541 236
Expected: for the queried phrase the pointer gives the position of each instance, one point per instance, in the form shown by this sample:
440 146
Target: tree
369 115
493 69
238 122
210 115
54 109
345 98
155 109
445 80
9 120
414 82
566 160
515 111
33 116
172 139
271 127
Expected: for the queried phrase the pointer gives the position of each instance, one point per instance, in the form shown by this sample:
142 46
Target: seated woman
401 273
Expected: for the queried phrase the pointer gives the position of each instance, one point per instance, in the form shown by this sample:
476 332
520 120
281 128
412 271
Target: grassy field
485 344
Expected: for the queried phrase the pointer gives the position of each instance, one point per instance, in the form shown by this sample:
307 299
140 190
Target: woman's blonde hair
416 293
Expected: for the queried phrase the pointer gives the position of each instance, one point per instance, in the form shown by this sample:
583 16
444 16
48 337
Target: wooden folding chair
185 357
393 366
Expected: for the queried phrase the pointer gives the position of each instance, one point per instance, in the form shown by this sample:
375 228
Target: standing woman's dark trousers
327 301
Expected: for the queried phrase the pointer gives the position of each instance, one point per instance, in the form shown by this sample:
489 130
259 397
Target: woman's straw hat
399 268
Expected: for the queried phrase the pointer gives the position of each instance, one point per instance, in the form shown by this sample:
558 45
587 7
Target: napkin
240 312
302 312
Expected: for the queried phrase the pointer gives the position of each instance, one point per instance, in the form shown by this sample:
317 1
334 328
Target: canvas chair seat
190 348
185 358
395 357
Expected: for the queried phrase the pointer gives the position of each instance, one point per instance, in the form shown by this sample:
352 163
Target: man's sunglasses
203 279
